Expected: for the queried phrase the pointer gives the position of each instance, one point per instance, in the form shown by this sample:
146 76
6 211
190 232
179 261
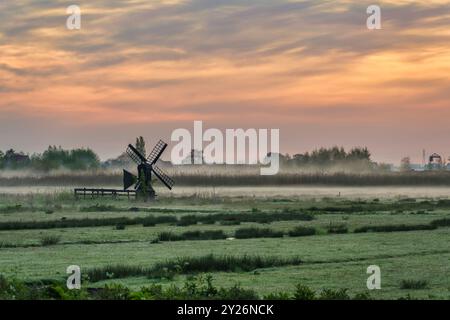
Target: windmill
146 167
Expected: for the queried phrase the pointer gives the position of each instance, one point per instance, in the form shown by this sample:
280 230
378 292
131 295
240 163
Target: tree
359 154
140 145
2 159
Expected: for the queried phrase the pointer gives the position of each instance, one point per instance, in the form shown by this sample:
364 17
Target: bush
120 227
50 240
253 216
112 291
148 224
83 223
246 233
237 293
304 293
194 288
192 235
301 231
330 294
445 222
394 228
413 284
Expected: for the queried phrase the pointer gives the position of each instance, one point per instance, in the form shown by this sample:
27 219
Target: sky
309 68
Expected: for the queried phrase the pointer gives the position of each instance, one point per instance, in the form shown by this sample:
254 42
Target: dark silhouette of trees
52 158
331 156
140 145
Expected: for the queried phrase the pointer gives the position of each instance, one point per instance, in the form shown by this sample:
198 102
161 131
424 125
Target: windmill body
146 167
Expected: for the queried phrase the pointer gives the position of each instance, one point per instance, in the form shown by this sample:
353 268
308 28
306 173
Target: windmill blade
163 177
135 155
156 152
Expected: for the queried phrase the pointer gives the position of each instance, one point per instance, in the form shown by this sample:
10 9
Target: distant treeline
329 156
55 158
52 159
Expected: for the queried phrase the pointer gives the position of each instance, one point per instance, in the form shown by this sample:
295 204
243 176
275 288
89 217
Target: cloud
227 61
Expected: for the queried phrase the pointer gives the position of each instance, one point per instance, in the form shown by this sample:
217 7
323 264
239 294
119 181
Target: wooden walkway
96 193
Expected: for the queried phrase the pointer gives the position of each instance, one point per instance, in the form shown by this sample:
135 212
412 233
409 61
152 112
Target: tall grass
50 240
87 222
301 231
246 233
187 220
258 217
190 265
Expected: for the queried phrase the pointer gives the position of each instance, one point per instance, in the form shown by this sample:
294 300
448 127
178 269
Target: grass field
407 243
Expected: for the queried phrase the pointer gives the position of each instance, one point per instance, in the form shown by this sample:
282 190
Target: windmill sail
135 155
163 177
156 152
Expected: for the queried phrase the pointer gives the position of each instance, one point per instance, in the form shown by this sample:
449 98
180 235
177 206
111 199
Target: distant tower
423 158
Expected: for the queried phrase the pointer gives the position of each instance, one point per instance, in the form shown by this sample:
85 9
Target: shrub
445 222
301 231
397 227
236 292
120 227
330 294
82 223
192 235
413 284
254 216
195 288
304 293
246 233
204 235
112 291
168 236
50 240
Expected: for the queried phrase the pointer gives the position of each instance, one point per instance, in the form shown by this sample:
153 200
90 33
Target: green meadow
319 242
